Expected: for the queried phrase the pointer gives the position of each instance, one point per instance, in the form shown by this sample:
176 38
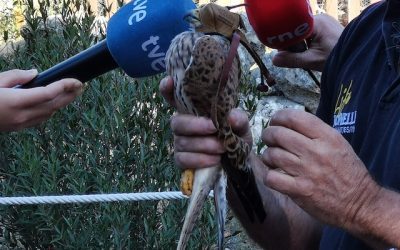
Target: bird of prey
206 78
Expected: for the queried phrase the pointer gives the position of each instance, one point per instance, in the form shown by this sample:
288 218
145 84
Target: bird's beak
193 18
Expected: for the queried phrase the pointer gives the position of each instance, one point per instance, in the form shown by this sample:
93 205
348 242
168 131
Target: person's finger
204 144
239 121
292 60
287 139
313 58
189 125
64 98
167 90
275 157
186 160
240 125
35 114
30 122
11 78
300 121
35 96
280 182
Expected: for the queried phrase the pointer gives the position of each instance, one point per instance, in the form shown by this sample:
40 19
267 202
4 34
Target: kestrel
206 79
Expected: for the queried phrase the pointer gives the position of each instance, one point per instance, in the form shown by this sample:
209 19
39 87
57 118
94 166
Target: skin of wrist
359 208
376 220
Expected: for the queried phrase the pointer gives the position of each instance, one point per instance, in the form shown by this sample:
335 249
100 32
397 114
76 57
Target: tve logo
154 53
139 12
151 45
140 32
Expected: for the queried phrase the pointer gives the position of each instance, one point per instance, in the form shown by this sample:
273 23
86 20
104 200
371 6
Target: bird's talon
187 179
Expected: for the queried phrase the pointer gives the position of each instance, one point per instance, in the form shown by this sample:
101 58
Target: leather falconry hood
219 20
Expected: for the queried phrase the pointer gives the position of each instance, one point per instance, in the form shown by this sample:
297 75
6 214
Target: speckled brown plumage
195 61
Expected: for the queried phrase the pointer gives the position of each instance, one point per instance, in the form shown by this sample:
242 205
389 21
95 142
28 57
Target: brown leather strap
229 61
223 80
263 69
216 19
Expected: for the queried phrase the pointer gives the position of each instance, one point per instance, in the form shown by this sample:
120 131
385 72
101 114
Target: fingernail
210 126
32 71
78 86
74 86
163 82
234 113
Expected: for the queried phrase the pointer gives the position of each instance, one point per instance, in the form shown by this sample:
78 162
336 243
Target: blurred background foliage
115 138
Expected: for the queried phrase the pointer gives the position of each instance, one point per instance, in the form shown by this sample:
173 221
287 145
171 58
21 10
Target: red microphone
281 24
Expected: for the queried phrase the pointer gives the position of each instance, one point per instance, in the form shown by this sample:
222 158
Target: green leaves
114 138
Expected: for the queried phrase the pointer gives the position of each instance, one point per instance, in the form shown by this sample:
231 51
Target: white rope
64 199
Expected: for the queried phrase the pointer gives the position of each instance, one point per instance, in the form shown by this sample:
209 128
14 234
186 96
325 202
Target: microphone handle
84 66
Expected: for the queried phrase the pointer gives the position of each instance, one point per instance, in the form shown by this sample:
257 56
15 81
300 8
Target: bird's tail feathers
204 180
220 206
243 183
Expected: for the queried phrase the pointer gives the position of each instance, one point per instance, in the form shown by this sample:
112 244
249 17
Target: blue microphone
138 36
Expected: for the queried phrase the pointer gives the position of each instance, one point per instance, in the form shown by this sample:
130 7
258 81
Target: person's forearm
286 225
376 218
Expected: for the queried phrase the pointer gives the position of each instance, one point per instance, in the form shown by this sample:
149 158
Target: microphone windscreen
280 24
139 34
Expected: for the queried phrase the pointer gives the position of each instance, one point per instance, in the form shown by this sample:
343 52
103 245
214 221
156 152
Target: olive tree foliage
115 138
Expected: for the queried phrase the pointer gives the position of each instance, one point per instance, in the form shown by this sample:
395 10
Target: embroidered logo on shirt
344 122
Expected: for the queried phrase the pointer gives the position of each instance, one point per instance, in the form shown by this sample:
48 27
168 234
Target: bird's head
215 19
193 18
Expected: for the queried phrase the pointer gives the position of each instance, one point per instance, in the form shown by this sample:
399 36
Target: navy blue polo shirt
360 98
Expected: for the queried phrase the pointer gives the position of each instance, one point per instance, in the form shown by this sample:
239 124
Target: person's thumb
240 124
167 90
291 60
12 78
